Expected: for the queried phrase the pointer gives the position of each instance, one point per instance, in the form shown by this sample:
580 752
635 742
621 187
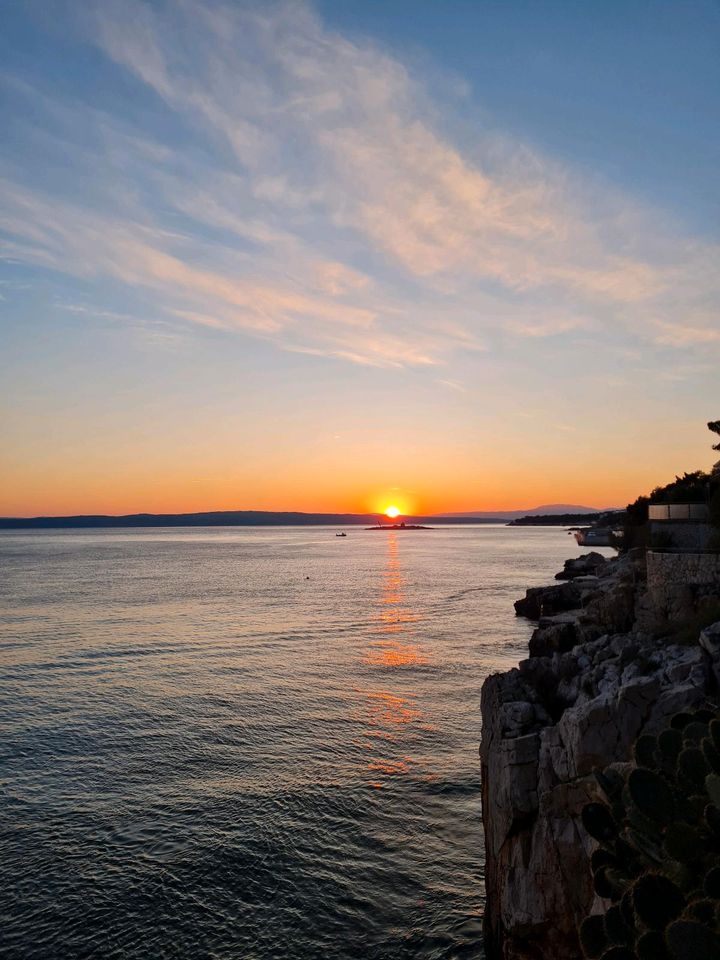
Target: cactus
593 938
694 732
712 785
681 720
658 859
651 946
602 858
645 748
670 743
617 930
701 910
656 900
599 823
627 909
605 887
651 795
711 754
693 767
683 842
618 953
712 818
714 727
690 940
711 885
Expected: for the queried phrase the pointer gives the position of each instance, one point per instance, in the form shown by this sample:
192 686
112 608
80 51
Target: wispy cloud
452 385
306 196
146 329
680 334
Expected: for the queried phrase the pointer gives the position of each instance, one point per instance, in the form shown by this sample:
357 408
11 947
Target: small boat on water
340 534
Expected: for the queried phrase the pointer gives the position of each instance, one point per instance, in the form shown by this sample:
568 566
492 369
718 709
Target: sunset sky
450 255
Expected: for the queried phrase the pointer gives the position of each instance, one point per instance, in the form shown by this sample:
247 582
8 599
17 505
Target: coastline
602 671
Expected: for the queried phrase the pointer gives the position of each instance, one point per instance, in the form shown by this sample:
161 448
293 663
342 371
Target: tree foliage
714 426
689 488
695 487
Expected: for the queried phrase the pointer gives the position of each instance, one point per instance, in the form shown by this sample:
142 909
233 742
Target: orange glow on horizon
395 502
125 480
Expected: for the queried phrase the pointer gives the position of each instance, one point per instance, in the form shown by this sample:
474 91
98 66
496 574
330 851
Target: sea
229 743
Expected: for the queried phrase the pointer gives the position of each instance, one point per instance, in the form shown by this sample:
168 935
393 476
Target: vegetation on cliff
689 488
695 487
659 856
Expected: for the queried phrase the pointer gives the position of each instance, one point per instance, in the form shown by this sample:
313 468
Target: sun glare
392 512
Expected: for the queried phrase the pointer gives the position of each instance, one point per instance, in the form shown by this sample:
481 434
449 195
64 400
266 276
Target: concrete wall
688 535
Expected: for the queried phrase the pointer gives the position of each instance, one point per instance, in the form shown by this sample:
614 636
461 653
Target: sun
392 512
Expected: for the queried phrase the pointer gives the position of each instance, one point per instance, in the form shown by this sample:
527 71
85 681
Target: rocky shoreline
603 669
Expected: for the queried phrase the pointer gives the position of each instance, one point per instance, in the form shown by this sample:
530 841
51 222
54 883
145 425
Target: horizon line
346 516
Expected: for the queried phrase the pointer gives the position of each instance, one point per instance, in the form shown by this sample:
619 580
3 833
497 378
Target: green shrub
689 488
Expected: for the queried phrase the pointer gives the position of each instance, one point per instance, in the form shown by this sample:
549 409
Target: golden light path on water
396 646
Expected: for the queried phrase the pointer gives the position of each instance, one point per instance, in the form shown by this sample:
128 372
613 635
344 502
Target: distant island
225 518
398 526
568 519
546 511
550 514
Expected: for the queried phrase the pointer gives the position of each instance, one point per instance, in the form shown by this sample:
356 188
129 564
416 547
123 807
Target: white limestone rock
546 727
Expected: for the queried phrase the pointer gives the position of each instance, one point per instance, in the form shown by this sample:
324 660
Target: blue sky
621 89
444 247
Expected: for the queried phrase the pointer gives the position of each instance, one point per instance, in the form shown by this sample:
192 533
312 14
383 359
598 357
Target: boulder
542 601
554 635
582 566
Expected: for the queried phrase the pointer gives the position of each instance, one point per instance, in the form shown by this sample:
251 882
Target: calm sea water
251 743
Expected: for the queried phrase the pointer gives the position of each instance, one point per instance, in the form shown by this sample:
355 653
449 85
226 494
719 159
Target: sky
330 256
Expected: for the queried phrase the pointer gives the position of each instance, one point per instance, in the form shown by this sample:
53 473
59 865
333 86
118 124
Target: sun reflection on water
391 714
395 618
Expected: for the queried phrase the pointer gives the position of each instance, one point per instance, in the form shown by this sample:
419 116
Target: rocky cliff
602 672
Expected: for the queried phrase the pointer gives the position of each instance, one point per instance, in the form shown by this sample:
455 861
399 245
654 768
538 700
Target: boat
340 534
595 536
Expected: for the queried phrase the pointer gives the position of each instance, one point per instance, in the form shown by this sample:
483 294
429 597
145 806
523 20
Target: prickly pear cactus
658 859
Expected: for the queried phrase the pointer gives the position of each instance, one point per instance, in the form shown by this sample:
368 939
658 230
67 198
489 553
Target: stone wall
680 583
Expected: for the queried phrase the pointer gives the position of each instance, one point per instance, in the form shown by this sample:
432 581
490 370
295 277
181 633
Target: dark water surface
207 755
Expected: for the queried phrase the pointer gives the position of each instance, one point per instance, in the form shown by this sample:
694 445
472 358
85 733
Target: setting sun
392 512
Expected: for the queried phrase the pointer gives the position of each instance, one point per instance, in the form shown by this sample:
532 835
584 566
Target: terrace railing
678 511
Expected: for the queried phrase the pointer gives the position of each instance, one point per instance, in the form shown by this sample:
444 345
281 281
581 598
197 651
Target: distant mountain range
252 518
546 510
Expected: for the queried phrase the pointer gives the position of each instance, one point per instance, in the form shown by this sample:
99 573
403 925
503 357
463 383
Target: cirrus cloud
319 205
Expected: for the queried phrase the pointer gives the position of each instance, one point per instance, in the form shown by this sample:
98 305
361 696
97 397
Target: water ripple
207 755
